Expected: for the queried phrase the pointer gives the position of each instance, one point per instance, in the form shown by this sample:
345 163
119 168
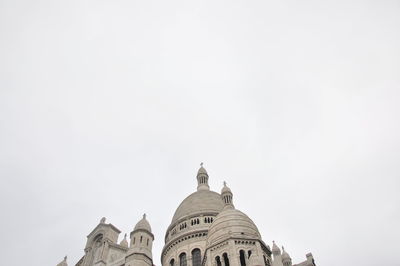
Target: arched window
182 259
196 257
218 261
242 258
249 252
147 241
226 259
141 238
172 262
134 239
97 248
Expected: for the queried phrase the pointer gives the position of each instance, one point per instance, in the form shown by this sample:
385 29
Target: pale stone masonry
206 230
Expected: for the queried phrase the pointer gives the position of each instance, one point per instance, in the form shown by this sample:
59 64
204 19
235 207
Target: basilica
206 230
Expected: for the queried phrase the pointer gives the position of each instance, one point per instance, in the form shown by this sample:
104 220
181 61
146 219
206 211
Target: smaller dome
202 170
285 255
64 262
225 189
232 223
124 242
143 224
275 249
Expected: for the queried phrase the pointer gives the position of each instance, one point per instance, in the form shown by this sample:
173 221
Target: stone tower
140 251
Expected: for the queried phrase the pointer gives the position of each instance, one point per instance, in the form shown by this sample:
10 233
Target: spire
202 179
227 197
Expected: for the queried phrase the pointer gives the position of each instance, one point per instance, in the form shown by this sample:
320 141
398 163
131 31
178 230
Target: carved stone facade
206 230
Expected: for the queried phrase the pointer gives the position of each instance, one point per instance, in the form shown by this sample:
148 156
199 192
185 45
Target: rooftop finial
103 220
201 164
224 183
65 258
144 216
125 236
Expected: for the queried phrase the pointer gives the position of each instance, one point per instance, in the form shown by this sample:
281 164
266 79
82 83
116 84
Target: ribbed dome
143 225
232 223
199 202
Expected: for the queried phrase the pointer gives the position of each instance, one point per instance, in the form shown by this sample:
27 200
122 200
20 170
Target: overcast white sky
107 108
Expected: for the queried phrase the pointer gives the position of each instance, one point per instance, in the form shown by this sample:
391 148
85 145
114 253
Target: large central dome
202 201
206 229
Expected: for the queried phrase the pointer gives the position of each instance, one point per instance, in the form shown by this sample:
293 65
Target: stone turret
286 260
202 179
276 251
227 197
140 251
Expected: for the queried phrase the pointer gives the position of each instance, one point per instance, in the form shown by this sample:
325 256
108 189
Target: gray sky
108 107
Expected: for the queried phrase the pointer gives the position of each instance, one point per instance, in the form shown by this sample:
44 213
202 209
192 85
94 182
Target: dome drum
190 224
183 242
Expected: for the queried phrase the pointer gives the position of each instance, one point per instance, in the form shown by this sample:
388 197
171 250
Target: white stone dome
232 223
143 224
202 201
